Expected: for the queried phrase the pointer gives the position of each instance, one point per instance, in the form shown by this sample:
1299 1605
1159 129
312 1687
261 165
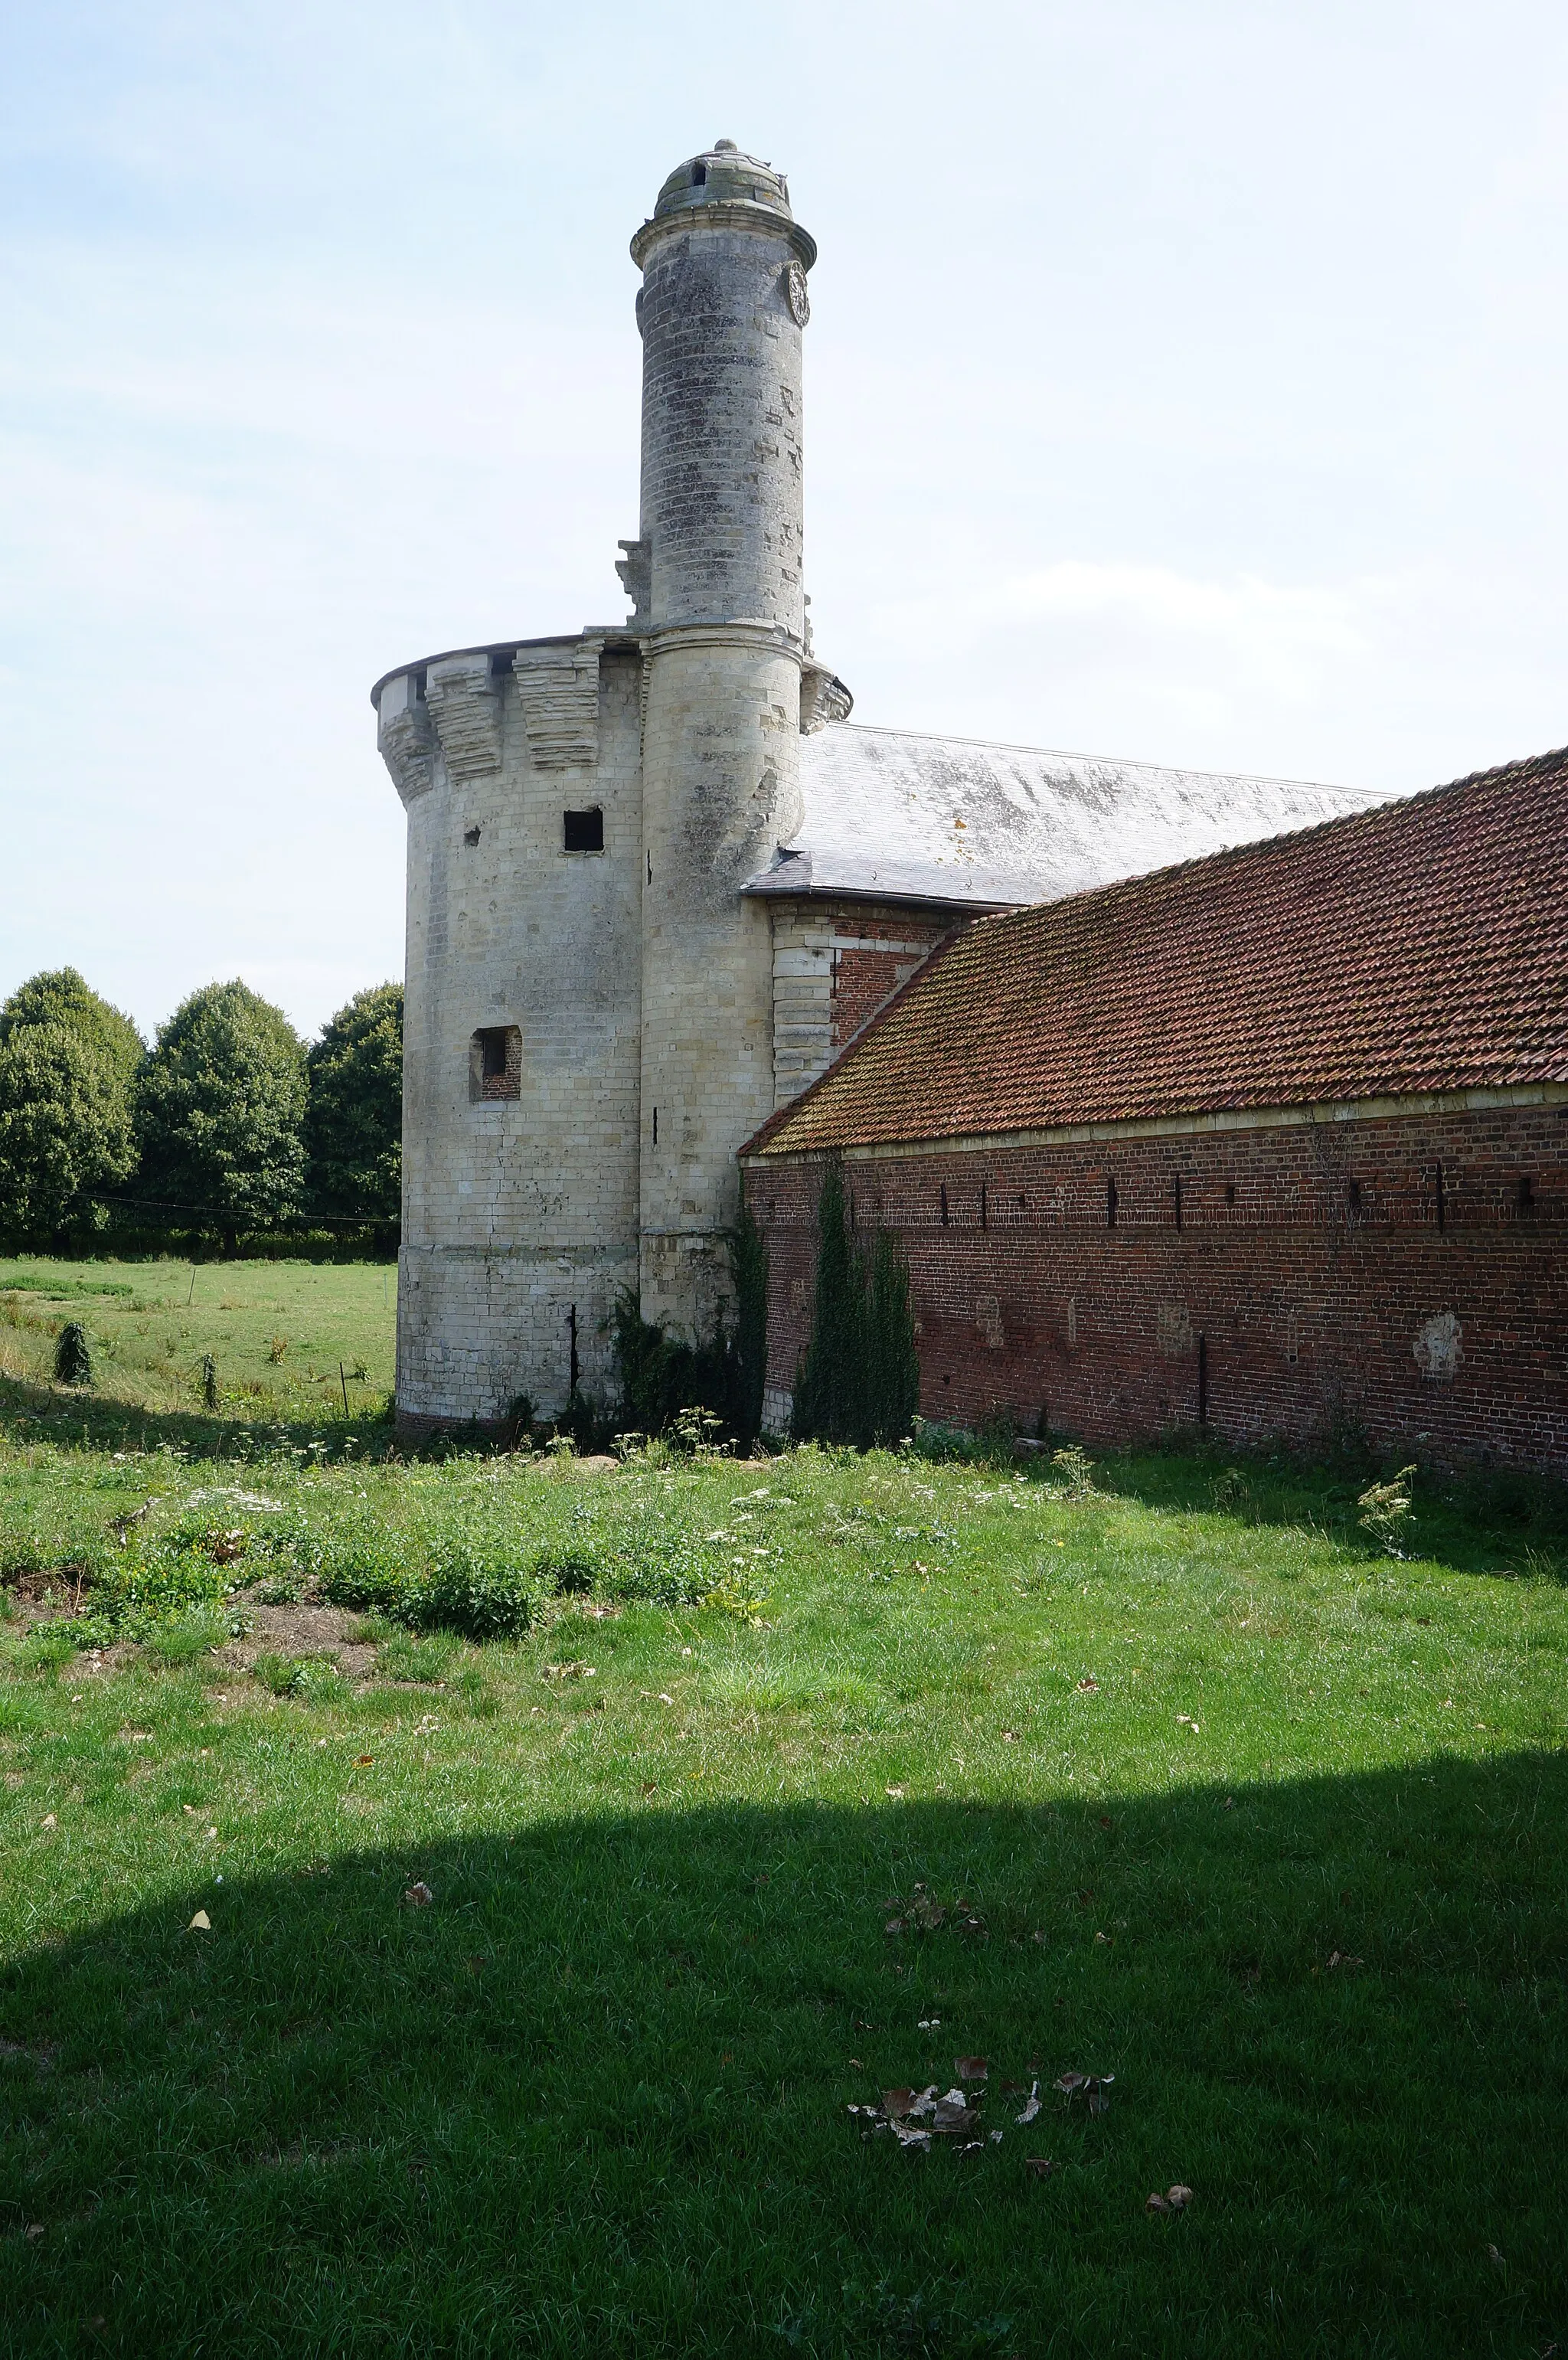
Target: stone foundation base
411 1426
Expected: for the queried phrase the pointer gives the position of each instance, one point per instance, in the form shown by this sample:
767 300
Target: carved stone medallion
795 292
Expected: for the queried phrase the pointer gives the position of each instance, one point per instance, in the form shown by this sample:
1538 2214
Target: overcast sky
1185 379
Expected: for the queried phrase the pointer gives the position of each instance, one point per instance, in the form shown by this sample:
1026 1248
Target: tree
220 1110
354 1122
67 1063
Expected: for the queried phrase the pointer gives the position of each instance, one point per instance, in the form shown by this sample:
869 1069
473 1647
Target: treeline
228 1131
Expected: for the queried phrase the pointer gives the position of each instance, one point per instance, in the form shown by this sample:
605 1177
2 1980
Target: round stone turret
720 611
722 176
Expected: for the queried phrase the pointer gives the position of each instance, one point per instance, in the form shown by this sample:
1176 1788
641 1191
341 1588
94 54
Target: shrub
1386 1511
72 1360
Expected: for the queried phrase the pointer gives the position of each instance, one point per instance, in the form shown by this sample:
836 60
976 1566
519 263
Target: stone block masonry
521 1212
836 963
1405 1275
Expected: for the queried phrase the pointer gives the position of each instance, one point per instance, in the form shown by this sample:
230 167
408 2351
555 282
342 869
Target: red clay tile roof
1421 946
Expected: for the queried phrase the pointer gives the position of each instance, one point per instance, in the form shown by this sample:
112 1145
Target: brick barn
1275 1142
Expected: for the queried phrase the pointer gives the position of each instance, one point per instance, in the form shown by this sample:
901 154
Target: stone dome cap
724 176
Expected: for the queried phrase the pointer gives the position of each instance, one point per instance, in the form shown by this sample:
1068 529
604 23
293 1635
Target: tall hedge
220 1113
858 1380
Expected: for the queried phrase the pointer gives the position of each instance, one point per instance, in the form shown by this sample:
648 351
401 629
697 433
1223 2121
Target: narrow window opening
943 1195
1526 1197
1110 1204
471 836
699 176
1442 1202
1202 1380
650 867
574 1371
1176 1193
495 1062
985 1208
656 1126
582 831
1230 1192
1023 1201
1353 1198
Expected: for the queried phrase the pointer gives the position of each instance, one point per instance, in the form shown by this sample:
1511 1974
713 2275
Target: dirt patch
300 1630
46 1597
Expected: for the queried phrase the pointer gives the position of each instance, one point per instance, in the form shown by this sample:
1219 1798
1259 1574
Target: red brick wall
1310 1261
864 979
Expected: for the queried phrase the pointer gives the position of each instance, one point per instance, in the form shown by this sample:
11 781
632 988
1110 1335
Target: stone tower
589 995
717 577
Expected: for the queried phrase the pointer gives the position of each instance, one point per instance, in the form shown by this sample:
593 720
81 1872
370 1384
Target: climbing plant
859 1378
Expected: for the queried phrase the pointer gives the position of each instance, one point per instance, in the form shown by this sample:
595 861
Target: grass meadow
430 1993
277 1332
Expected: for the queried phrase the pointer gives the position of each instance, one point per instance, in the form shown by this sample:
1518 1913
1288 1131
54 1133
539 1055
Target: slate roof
1418 947
898 816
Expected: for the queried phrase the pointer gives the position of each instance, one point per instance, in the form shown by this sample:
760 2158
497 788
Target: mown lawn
277 1333
1212 1796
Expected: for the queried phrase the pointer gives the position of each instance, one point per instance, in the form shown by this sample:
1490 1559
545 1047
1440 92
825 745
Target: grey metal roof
892 815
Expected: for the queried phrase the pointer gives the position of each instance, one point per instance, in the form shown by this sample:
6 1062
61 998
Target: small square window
495 1063
582 831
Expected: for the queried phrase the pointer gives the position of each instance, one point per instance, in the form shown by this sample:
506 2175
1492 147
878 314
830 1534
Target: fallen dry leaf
650 1785
200 1924
1031 2106
419 1896
364 1760
896 2103
48 1820
907 2138
1156 2204
971 2069
1042 2166
1345 1959
896 1793
1088 1681
1178 2198
954 2117
1092 2086
34 2229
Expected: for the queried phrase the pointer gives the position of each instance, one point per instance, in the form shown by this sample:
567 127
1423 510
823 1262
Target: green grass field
1174 1776
277 1332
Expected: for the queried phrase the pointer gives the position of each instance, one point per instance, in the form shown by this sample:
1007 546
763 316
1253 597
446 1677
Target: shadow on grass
94 1421
1479 1520
593 2098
